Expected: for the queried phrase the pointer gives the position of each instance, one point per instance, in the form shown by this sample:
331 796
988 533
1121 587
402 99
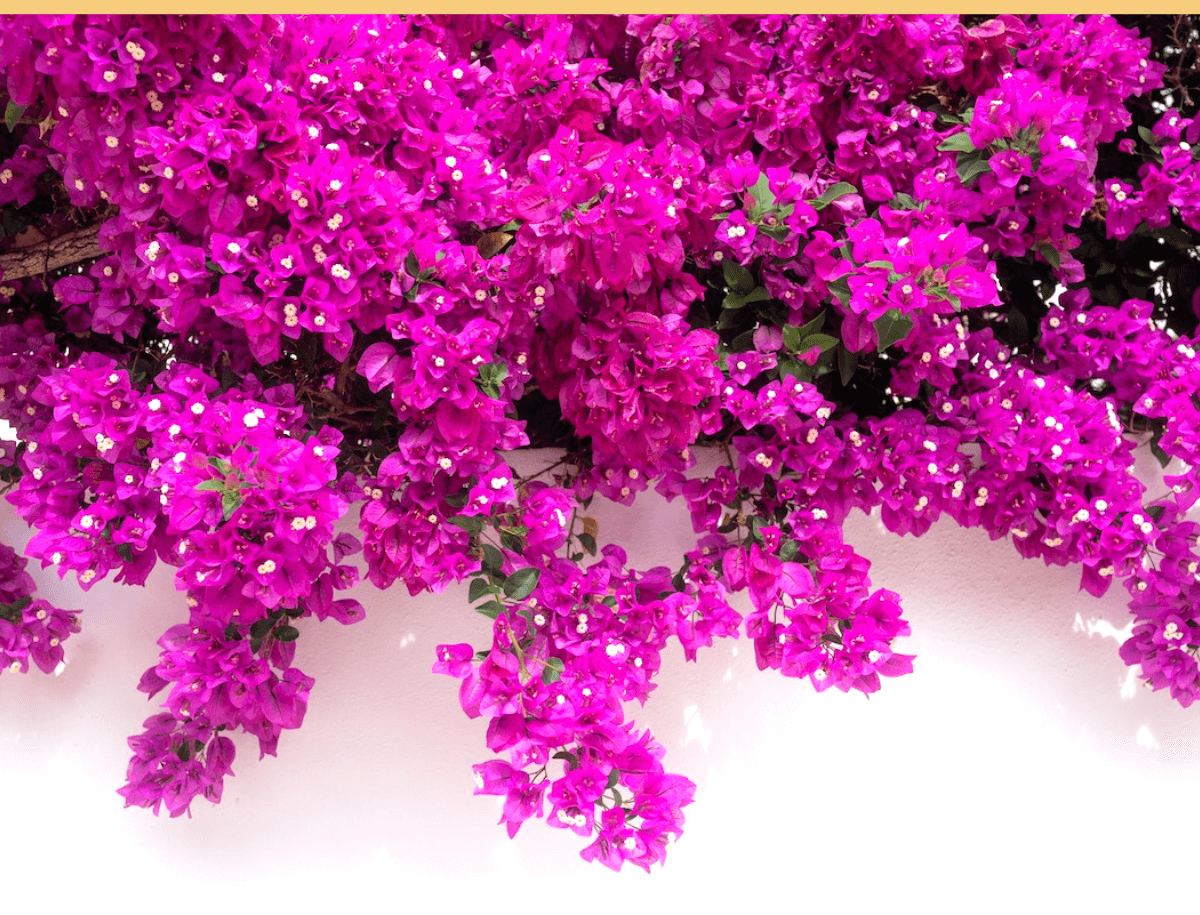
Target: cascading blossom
256 271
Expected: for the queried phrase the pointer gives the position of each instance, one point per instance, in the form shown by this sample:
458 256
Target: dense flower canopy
330 271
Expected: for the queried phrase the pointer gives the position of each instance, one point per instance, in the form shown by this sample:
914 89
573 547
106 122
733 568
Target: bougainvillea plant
271 280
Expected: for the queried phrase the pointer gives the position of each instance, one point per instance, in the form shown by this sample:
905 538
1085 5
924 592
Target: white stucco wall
1017 769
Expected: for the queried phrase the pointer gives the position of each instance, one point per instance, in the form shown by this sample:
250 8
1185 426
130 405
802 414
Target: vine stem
533 476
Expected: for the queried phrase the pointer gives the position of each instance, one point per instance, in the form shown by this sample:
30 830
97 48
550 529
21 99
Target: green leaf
230 502
892 327
788 551
847 364
1161 456
824 341
840 288
1051 255
792 336
903 202
211 486
733 301
729 318
493 559
471 523
796 369
756 523
17 606
570 760
553 670
1155 512
260 629
969 169
491 609
738 278
12 114
743 342
511 541
958 142
411 265
763 198
588 542
841 189
220 465
614 776
1156 447
778 233
479 587
813 326
1145 133
520 584
287 634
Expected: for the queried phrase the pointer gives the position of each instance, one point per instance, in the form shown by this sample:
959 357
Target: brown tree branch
43 257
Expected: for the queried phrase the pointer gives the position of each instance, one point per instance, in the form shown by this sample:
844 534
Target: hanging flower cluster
922 264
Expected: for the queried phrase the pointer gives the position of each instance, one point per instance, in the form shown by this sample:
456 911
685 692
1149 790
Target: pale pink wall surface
1017 769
